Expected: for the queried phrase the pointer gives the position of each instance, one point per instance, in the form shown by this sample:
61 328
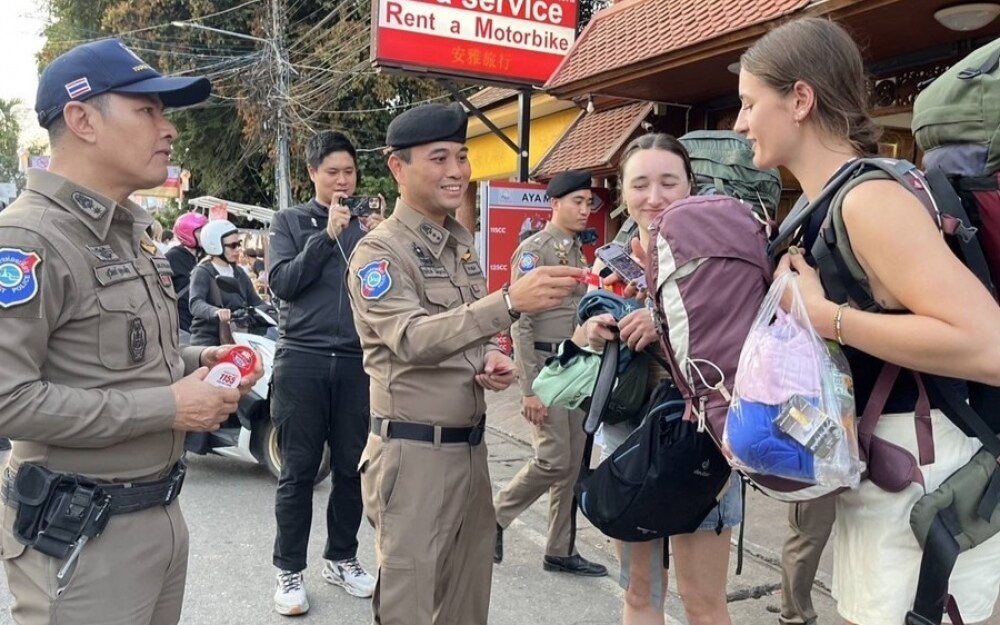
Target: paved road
229 507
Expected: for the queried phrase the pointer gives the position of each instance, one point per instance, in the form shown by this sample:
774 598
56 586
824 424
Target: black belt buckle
476 435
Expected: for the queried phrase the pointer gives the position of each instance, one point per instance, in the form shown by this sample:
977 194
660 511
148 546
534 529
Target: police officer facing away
559 438
426 322
320 388
93 391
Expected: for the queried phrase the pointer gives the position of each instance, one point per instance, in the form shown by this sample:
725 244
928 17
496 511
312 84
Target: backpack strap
605 383
957 222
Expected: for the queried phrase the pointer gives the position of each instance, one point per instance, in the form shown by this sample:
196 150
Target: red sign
512 41
512 211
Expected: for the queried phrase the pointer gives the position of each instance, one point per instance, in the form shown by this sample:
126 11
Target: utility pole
282 171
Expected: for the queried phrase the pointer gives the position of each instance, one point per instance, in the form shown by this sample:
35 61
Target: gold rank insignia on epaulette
562 252
148 246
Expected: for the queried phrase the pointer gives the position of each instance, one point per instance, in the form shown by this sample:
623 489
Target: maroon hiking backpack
708 274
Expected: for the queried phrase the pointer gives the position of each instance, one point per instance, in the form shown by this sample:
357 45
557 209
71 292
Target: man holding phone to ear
559 438
320 391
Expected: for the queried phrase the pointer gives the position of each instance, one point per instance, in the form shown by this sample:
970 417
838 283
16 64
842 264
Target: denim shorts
730 508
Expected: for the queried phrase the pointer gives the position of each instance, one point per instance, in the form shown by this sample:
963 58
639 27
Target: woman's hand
637 330
821 311
600 329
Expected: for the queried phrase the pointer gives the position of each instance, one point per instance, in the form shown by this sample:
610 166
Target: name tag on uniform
434 271
162 266
112 274
472 268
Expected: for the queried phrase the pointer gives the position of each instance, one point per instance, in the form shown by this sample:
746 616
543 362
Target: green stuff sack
962 106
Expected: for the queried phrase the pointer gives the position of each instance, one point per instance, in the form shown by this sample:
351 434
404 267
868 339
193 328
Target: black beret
568 182
426 124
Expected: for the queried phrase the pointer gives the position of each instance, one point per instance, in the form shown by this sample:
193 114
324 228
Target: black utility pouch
34 487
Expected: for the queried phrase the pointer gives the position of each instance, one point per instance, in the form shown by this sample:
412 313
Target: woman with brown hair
803 93
655 171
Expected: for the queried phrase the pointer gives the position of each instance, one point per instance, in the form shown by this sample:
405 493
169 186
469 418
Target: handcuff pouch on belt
54 510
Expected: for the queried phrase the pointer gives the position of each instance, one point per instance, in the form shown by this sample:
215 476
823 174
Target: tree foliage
229 143
10 131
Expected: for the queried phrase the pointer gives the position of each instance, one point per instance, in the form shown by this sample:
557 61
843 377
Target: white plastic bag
792 412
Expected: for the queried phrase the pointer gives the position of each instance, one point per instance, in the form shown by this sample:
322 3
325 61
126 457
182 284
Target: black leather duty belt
472 435
547 347
124 497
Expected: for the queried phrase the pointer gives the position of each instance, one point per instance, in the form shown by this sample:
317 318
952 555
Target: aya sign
512 211
512 41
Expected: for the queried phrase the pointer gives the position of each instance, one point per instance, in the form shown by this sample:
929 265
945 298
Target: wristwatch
505 291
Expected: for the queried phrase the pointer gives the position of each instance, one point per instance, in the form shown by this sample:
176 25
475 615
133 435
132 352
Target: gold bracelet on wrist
838 323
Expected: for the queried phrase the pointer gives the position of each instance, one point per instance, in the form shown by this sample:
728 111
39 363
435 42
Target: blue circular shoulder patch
375 279
527 262
18 278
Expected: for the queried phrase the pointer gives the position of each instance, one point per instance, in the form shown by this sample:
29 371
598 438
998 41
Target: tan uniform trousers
810 524
132 574
558 443
434 531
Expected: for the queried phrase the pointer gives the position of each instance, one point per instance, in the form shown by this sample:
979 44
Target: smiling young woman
804 107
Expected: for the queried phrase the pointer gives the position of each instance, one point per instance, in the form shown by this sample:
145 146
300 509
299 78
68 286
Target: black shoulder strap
949 203
605 383
795 220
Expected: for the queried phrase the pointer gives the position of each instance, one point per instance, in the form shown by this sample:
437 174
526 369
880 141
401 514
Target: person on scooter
210 304
183 258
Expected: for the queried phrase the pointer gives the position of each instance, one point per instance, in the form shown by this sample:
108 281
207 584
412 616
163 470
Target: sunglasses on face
233 246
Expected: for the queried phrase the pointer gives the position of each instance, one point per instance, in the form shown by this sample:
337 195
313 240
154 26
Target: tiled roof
636 30
593 141
490 95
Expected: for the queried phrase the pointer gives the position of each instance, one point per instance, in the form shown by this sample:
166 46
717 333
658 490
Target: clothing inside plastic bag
792 412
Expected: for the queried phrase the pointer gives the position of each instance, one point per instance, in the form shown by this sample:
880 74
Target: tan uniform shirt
551 246
424 318
88 335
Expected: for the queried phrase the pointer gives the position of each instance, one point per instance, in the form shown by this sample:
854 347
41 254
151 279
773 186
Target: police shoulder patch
18 277
375 279
527 262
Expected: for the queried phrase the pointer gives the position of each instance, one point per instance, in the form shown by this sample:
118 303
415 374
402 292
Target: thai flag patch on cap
78 88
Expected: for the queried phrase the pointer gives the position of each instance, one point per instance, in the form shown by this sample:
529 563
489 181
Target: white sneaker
290 596
350 576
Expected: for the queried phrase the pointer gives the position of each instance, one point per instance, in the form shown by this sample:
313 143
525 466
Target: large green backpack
722 163
962 107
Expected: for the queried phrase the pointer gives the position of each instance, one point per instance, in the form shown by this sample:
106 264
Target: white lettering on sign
395 15
537 10
498 230
499 267
497 22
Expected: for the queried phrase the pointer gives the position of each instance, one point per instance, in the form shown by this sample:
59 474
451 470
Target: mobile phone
616 257
362 205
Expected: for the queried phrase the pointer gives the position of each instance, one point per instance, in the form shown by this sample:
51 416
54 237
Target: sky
21 21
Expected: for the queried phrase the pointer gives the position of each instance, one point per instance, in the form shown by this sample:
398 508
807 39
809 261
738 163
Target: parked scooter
249 434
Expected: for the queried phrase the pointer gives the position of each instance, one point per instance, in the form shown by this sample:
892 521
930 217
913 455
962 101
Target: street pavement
229 508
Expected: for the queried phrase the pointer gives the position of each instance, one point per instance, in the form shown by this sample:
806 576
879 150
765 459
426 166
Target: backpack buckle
954 226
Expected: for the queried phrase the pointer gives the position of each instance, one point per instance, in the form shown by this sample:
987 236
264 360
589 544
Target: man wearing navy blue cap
94 393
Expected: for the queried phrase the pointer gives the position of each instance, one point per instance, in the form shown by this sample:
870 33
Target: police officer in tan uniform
426 324
93 391
558 432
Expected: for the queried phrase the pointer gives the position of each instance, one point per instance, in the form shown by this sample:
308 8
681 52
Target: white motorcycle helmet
211 235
